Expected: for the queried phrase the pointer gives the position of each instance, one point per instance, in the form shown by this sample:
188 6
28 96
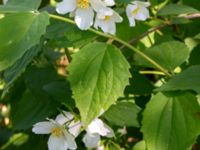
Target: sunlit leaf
18 33
98 76
168 54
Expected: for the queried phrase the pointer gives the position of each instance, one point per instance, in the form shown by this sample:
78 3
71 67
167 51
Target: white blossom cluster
65 128
100 13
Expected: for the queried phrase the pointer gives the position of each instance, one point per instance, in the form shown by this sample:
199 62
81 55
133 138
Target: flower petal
106 26
130 15
84 18
64 117
143 14
100 147
44 127
101 15
130 9
98 127
142 4
69 140
56 143
116 17
74 128
107 131
91 140
109 2
99 5
66 6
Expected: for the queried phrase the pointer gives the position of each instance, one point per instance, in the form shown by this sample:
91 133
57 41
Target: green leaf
60 91
36 104
37 78
16 6
98 75
139 84
34 4
123 1
16 139
61 35
171 123
21 141
140 146
197 36
192 3
175 9
123 114
13 9
30 110
186 80
127 33
168 54
113 146
16 39
194 56
13 72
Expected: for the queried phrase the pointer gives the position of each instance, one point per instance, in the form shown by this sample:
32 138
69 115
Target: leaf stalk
126 44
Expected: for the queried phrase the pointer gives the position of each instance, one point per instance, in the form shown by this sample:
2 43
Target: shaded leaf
123 114
30 110
139 84
186 80
171 123
60 91
65 35
13 72
176 9
37 78
194 56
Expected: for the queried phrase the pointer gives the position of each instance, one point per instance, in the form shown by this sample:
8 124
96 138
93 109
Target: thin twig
159 27
134 40
152 72
131 47
192 16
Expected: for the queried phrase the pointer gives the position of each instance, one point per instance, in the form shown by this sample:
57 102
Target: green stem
152 72
118 40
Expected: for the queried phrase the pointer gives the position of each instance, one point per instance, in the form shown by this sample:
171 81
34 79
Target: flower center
57 132
107 18
83 3
136 11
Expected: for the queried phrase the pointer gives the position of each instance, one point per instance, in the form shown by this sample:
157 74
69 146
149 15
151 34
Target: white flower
137 11
73 126
109 2
5 1
60 138
93 132
100 147
107 21
83 10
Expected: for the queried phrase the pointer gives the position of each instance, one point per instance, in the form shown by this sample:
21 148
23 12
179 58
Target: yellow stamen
57 132
136 11
107 18
83 3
